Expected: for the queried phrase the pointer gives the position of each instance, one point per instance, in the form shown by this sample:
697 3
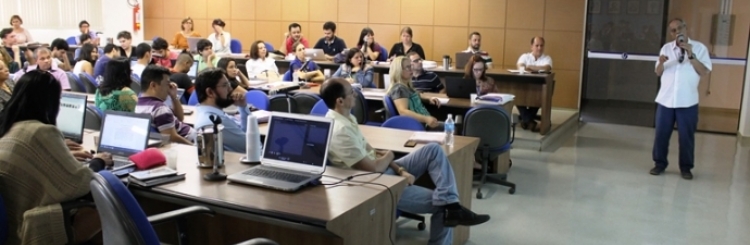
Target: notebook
294 153
123 134
72 115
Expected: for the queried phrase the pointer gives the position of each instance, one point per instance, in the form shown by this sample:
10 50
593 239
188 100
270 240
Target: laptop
193 44
193 72
462 58
315 54
294 154
72 115
123 134
458 87
180 93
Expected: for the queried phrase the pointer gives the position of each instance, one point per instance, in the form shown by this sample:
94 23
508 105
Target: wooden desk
461 156
357 214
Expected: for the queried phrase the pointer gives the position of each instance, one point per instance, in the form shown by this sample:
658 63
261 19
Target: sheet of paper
443 101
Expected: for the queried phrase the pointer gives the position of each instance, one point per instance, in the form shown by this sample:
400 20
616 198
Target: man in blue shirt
214 94
330 43
110 52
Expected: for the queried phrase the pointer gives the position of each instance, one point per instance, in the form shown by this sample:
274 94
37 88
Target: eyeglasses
479 70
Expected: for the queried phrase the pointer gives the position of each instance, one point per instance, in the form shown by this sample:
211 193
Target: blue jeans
416 199
687 122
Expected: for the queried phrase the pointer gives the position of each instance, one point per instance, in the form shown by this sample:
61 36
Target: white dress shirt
138 69
220 47
528 59
679 81
256 67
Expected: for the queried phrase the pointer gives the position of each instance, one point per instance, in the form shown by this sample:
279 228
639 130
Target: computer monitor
124 133
296 140
72 115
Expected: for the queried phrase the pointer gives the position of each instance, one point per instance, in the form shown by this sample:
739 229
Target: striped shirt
162 117
427 82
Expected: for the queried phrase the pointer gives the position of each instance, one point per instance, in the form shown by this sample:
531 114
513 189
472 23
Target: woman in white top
22 35
259 66
85 63
220 39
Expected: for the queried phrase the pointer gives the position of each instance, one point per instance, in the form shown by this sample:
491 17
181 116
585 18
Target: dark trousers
527 113
687 122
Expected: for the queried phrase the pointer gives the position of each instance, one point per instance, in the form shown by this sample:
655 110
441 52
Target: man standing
681 64
349 149
535 61
475 43
214 94
43 61
330 43
424 81
294 35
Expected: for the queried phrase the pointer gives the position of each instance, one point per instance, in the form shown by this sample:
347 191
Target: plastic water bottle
450 128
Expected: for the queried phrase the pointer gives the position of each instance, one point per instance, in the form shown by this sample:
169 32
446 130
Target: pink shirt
58 73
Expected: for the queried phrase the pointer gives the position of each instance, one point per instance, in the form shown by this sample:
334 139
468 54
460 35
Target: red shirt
290 41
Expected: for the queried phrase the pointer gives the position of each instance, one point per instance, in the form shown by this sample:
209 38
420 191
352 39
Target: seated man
156 87
206 57
348 149
143 54
424 81
60 54
110 52
180 74
214 94
43 61
293 36
160 52
534 61
330 43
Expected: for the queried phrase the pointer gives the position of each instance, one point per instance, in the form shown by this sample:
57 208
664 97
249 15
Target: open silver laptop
123 134
72 115
294 154
193 44
315 54
168 101
462 58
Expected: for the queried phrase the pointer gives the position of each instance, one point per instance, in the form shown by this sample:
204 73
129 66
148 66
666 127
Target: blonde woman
186 30
406 99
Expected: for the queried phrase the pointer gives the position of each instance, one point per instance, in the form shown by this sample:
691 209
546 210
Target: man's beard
224 102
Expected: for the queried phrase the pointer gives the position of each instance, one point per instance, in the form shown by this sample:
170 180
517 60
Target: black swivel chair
93 118
279 103
496 131
305 102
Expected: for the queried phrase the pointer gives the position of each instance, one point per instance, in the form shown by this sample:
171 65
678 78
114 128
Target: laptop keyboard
288 177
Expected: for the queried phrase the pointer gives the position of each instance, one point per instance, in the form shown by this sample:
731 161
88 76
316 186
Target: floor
595 189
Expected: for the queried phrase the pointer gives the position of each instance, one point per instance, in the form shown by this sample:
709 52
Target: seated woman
234 76
406 45
86 60
6 85
220 39
475 69
114 91
354 69
406 99
260 66
372 49
39 169
311 72
186 30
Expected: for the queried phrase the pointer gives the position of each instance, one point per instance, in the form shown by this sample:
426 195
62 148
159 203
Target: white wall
745 106
117 17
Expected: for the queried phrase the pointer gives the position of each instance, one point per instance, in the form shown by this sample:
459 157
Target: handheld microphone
680 40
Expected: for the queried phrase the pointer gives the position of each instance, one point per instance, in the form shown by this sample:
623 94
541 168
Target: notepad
494 99
428 137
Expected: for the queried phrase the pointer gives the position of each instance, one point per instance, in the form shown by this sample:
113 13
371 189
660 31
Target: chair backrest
3 222
491 124
390 108
235 46
93 118
193 100
306 102
403 122
88 82
135 85
360 108
123 221
319 109
279 103
269 47
257 98
383 56
71 40
75 83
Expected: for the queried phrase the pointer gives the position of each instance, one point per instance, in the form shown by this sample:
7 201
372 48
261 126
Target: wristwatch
691 56
400 170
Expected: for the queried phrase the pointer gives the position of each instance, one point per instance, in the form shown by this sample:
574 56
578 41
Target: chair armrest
258 241
179 213
512 132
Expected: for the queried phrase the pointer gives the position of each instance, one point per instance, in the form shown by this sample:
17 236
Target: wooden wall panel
725 86
525 14
440 26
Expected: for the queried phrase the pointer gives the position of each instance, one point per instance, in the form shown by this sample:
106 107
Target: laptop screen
70 118
193 72
168 101
297 140
124 134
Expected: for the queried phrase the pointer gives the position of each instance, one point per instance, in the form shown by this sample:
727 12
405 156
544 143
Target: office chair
279 103
258 99
75 83
496 131
135 85
193 100
235 46
361 112
93 118
305 102
390 108
71 40
319 109
3 222
89 82
383 56
269 47
403 122
124 222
